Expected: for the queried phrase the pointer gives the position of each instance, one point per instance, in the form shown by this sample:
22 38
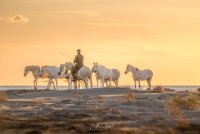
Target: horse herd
103 74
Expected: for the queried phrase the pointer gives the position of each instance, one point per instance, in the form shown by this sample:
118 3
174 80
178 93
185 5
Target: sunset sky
162 35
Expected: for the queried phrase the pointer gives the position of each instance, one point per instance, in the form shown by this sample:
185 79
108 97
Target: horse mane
33 67
137 69
102 66
47 66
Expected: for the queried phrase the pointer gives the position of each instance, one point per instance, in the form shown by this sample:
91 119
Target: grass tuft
158 89
2 96
130 97
97 109
190 101
176 114
101 99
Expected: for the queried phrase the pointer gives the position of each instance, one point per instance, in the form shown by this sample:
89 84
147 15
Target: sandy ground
92 111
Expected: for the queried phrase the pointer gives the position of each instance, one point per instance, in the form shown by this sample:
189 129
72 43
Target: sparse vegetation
178 102
114 111
2 96
5 116
158 89
39 100
82 111
176 114
76 95
130 97
98 109
189 101
169 90
124 86
101 99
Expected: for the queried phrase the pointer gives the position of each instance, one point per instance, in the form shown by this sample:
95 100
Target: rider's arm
75 59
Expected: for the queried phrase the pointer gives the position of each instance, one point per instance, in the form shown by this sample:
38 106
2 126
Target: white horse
83 74
35 72
140 75
102 74
115 76
53 71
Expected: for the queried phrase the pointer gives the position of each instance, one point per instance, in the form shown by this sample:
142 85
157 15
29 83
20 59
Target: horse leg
106 83
34 85
79 84
49 84
102 82
69 85
75 84
139 84
97 83
135 83
116 83
87 80
56 83
91 84
36 82
86 83
52 82
109 82
149 83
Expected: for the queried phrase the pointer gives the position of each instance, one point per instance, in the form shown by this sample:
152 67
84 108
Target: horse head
26 70
131 68
69 65
41 72
128 69
94 68
62 68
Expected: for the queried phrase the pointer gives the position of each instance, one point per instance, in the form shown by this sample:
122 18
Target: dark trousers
75 70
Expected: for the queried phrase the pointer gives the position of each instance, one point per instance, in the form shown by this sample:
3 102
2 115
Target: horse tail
90 78
111 75
149 78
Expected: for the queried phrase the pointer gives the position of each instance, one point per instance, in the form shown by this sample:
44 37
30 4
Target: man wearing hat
78 61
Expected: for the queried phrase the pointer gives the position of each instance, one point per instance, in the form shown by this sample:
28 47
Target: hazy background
160 35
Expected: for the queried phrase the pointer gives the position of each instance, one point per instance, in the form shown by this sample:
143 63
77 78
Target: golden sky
162 35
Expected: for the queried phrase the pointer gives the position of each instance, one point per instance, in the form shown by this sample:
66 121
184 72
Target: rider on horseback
78 61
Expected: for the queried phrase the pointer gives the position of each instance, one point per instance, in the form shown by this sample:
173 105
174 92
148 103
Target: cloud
2 19
75 13
124 24
15 19
47 1
83 13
